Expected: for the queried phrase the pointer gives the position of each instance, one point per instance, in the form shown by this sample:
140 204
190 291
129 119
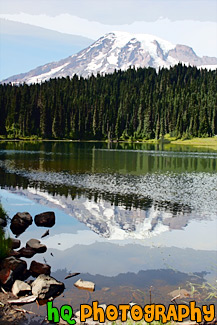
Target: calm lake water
120 208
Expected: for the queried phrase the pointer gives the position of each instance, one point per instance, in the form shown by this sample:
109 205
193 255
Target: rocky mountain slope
117 50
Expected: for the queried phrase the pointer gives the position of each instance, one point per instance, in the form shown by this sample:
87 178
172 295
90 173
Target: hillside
135 104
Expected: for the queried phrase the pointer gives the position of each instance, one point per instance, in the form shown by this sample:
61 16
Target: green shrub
5 243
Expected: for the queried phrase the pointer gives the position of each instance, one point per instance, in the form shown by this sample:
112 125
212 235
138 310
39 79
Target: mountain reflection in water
115 221
120 208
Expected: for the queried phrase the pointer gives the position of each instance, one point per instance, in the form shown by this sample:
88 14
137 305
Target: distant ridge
24 47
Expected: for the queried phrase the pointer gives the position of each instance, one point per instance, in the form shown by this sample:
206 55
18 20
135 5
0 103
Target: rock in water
36 245
23 300
86 285
20 288
15 243
14 253
12 268
37 268
71 275
45 234
5 276
15 264
45 287
46 219
20 222
26 252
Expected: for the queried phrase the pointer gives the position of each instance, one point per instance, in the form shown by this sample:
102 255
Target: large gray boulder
45 287
36 245
21 288
45 219
20 222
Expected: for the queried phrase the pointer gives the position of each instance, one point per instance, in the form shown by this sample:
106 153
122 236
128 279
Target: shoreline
210 143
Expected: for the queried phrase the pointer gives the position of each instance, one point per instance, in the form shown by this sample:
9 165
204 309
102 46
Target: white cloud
68 240
201 36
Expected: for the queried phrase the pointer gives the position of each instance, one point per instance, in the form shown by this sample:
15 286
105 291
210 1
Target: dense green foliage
135 104
4 242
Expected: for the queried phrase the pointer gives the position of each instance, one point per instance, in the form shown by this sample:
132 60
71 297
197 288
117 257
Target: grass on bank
206 142
210 142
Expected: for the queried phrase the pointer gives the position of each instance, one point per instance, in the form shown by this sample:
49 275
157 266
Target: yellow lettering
160 313
210 314
171 313
136 313
196 314
111 313
183 312
124 309
149 313
83 314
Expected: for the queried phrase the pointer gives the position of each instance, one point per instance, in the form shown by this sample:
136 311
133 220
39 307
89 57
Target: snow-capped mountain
110 221
117 50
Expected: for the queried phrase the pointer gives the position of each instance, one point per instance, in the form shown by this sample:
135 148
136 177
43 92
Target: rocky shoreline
16 289
20 285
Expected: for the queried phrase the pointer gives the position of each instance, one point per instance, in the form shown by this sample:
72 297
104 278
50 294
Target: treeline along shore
133 104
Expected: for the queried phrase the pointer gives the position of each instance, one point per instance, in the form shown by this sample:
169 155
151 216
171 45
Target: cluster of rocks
21 221
14 271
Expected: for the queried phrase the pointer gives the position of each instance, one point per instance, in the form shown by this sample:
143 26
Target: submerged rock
85 285
45 219
37 268
20 222
45 287
180 293
36 245
21 288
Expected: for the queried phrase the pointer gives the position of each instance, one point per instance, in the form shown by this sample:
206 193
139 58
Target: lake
128 216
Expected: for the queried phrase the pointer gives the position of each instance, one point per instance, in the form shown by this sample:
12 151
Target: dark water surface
120 208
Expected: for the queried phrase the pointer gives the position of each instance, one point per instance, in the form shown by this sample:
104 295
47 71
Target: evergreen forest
133 104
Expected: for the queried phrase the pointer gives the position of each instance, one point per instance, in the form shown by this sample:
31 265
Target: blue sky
189 22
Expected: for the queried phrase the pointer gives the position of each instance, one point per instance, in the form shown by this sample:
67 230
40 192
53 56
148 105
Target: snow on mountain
117 50
109 221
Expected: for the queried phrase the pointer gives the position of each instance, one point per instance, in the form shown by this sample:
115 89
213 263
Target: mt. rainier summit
117 50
